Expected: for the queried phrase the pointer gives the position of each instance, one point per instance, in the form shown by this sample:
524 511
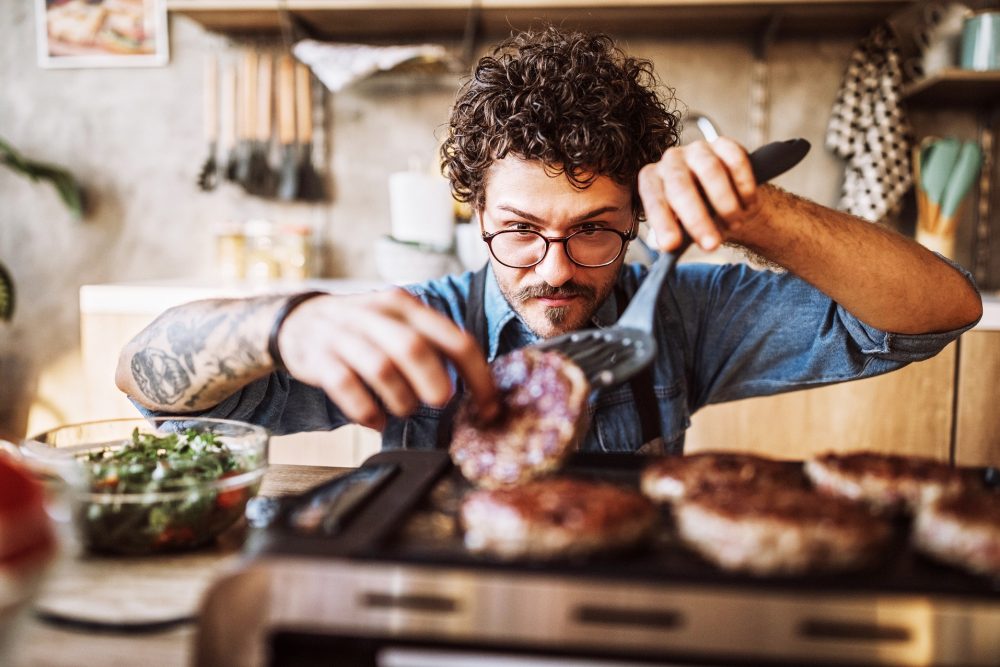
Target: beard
559 319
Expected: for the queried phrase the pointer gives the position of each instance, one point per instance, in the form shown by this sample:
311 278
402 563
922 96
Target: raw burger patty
544 411
963 530
887 482
778 531
555 518
669 479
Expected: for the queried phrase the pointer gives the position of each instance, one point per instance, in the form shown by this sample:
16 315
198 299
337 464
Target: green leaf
6 294
69 189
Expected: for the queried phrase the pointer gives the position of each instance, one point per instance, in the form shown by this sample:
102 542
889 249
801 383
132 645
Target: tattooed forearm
195 355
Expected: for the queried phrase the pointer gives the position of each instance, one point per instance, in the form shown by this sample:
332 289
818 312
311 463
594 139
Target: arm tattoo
187 340
159 376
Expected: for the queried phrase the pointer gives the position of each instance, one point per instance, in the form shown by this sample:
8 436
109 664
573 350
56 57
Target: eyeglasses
589 248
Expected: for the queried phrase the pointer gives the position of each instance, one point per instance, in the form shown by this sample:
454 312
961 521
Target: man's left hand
705 189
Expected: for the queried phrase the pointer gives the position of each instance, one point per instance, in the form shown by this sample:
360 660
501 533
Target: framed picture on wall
101 33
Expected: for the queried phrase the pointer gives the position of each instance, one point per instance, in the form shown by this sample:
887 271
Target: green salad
161 493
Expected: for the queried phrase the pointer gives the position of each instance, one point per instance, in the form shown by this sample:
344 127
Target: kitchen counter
42 644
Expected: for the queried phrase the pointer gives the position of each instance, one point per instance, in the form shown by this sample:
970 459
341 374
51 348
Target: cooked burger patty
543 412
887 482
670 478
778 531
555 518
963 530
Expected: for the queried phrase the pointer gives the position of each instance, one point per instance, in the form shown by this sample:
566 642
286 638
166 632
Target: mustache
545 291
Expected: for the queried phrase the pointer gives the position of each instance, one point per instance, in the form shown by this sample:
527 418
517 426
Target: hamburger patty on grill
886 482
778 531
963 530
543 413
555 518
669 479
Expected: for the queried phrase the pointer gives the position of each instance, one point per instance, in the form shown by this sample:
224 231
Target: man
562 143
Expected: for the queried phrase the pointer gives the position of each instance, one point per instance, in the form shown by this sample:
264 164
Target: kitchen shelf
955 87
423 19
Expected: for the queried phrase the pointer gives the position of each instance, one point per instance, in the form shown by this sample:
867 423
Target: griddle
376 557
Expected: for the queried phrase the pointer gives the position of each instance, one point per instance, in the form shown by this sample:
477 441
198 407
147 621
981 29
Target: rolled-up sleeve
277 402
758 333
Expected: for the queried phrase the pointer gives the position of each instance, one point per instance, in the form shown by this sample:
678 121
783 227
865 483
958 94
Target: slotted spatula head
615 354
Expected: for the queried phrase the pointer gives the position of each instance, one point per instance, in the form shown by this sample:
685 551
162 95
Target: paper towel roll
421 208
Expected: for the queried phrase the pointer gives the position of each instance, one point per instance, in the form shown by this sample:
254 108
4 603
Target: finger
349 393
740 171
457 346
684 196
659 217
379 371
415 358
712 175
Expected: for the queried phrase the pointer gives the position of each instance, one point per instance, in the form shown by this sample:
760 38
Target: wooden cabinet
977 409
908 412
947 407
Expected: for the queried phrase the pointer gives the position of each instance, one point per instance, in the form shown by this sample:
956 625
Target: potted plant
66 185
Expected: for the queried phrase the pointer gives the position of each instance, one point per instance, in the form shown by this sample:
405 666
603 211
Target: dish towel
339 65
869 129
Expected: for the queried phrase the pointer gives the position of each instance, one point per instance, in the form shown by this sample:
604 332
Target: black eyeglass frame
630 235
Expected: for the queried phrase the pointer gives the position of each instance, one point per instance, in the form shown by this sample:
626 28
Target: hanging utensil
208 177
247 116
288 172
311 186
615 354
229 122
260 178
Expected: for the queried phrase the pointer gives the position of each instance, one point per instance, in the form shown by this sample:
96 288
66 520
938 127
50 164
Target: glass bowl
143 486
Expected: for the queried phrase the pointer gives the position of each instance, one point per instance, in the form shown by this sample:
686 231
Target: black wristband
291 303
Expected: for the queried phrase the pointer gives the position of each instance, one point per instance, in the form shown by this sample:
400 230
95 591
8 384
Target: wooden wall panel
907 412
977 433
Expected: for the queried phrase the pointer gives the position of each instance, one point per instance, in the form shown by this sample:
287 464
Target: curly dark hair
573 101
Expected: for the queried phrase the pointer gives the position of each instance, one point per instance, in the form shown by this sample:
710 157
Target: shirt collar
500 314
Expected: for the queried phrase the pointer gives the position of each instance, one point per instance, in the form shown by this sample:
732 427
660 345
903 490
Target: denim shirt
723 332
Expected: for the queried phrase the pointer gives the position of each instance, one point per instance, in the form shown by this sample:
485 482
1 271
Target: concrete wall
134 137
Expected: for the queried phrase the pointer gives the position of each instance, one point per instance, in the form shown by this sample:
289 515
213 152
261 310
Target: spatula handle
773 159
265 97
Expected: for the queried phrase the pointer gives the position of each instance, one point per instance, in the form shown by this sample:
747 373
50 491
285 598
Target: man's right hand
388 345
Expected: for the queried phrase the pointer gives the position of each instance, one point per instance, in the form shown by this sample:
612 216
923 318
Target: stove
369 569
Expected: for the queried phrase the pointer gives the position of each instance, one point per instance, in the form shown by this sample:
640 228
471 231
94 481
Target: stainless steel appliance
370 569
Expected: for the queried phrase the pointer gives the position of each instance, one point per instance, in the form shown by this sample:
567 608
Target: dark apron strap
643 393
475 323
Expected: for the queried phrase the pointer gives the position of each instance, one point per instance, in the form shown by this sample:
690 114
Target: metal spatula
613 355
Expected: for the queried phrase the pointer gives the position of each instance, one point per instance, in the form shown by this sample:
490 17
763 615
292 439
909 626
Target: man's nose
556 268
